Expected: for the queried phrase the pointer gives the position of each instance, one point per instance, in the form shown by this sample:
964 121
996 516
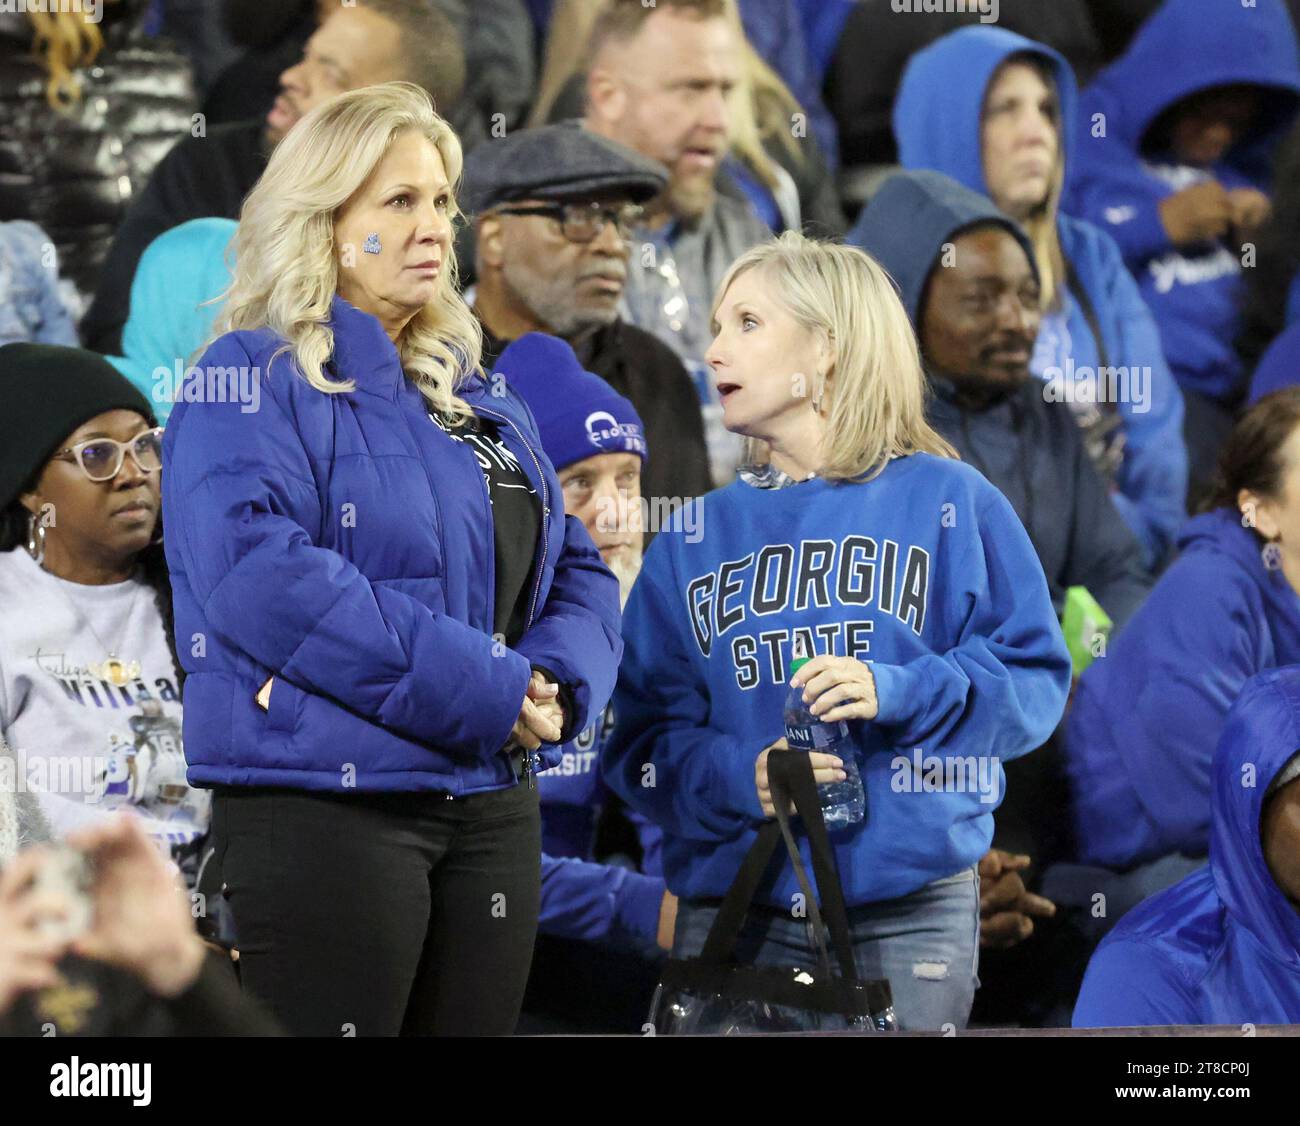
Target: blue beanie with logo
578 414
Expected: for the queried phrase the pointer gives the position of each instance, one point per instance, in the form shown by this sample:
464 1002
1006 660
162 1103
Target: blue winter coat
937 125
343 544
1223 945
1146 717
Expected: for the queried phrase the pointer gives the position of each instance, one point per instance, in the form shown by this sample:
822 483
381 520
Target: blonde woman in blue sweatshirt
856 530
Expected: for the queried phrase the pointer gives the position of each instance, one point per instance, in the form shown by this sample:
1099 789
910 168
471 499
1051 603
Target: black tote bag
712 994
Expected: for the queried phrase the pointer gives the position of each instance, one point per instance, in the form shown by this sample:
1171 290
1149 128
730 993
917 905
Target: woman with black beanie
90 686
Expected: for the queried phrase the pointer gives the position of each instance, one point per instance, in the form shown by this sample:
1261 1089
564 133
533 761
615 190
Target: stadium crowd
439 435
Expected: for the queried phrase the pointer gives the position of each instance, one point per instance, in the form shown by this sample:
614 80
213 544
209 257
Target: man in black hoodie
968 280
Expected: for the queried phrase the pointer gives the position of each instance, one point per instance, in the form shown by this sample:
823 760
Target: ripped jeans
926 944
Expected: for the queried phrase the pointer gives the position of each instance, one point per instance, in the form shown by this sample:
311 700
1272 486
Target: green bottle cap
797 664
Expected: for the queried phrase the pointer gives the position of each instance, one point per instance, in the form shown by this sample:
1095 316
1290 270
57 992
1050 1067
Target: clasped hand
541 715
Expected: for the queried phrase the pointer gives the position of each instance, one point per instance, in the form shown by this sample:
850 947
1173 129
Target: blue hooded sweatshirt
1185 47
925 573
343 544
1279 367
180 270
1223 945
1141 733
1029 448
937 124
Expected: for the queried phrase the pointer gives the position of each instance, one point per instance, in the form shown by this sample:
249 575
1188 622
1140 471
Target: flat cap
555 162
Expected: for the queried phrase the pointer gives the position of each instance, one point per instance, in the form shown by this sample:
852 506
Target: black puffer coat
75 174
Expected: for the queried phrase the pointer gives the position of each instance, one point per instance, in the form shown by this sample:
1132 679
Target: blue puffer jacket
1222 946
343 544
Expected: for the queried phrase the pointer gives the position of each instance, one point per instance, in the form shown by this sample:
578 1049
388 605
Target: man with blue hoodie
1176 137
1223 945
1013 143
595 916
968 280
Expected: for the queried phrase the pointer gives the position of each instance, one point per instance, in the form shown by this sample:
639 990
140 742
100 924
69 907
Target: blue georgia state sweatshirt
925 573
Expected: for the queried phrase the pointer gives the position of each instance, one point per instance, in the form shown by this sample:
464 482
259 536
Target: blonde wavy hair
64 42
286 263
877 410
763 109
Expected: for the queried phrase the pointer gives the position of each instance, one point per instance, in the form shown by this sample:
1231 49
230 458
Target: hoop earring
35 539
817 398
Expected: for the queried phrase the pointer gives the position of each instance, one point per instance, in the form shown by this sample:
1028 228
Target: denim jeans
926 944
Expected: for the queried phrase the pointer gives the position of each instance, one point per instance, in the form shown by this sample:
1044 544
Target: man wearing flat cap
553 207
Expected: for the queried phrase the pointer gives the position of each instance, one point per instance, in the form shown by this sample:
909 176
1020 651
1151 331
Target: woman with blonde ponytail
388 622
856 540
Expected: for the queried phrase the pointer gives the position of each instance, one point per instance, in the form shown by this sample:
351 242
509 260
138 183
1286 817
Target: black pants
383 914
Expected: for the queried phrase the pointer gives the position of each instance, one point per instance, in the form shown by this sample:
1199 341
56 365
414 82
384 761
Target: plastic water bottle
843 803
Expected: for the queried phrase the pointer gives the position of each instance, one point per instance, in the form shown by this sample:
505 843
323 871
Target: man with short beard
552 208
359 44
661 81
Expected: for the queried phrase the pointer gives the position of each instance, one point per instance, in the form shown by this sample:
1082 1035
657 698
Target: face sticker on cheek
371 245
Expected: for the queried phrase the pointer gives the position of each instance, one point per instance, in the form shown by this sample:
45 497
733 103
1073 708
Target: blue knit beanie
578 413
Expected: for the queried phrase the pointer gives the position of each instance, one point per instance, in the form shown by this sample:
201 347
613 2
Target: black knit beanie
46 392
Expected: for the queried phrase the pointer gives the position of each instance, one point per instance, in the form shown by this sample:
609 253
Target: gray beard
626 571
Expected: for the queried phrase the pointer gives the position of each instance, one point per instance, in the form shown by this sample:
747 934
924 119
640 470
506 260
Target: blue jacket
1146 717
925 573
1186 46
1223 945
31 310
1279 367
582 898
937 125
343 544
180 271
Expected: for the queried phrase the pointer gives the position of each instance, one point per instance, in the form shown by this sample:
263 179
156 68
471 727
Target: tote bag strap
790 774
791 777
